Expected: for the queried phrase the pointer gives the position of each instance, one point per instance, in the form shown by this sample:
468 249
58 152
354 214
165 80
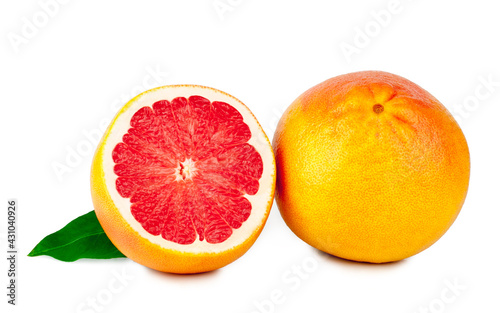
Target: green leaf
81 238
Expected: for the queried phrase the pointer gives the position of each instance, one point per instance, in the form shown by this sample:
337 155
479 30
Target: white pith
186 170
259 140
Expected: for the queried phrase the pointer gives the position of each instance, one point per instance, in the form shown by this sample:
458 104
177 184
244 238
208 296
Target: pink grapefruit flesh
186 165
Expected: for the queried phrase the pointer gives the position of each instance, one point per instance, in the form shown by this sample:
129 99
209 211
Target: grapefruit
370 167
183 179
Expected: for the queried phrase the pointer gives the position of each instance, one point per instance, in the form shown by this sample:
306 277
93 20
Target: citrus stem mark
378 108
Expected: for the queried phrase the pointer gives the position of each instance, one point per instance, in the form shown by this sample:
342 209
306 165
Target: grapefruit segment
184 169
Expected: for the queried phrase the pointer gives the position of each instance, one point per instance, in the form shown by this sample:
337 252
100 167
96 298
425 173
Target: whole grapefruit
370 167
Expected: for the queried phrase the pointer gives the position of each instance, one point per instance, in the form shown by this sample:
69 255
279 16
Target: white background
68 74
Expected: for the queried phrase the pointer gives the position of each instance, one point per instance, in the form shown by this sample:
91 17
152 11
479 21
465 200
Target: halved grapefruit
183 179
